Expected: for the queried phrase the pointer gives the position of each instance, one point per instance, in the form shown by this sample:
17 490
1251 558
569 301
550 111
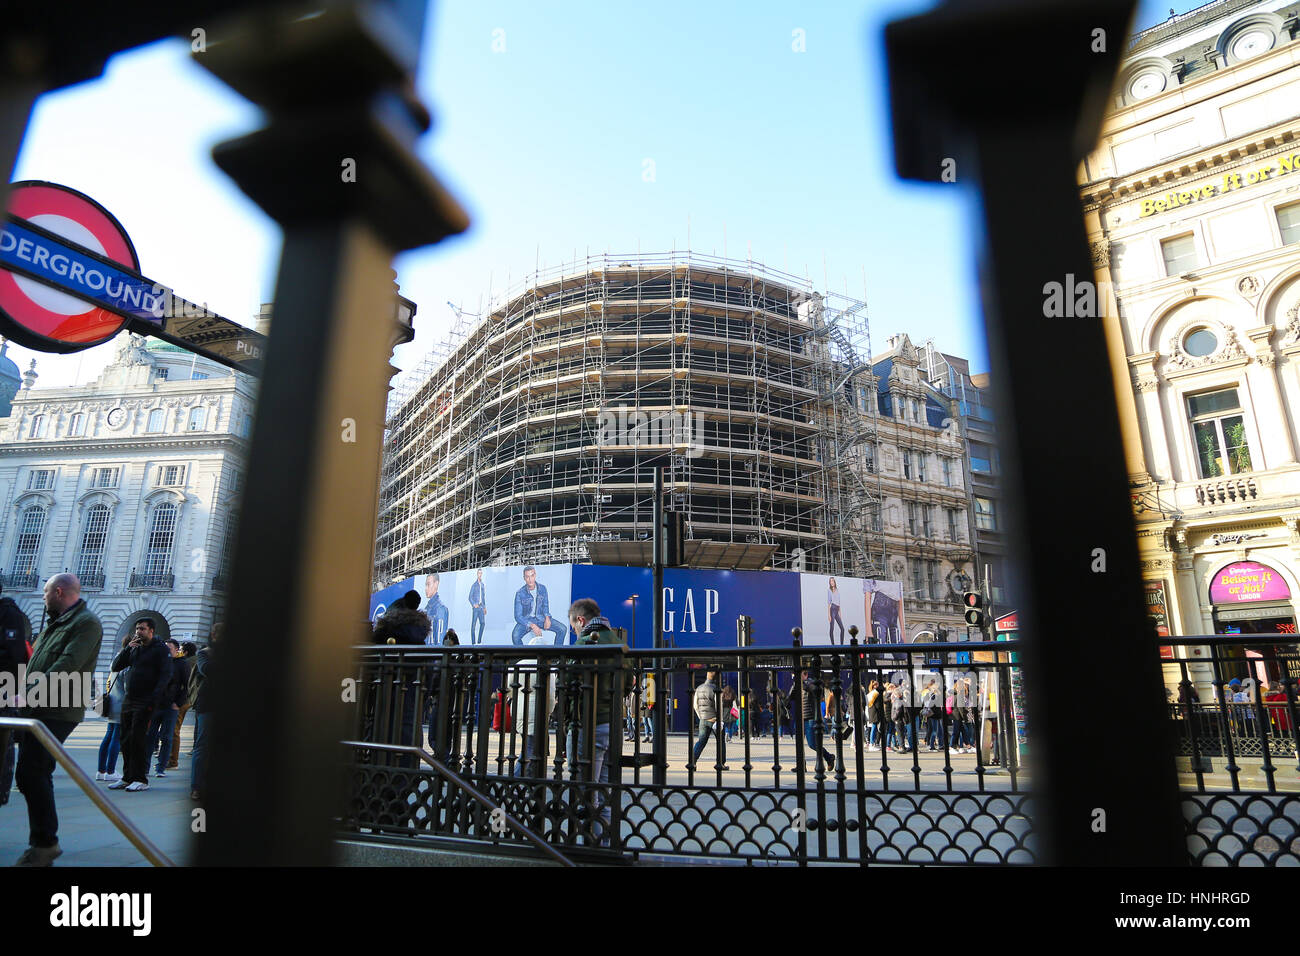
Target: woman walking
875 715
900 716
111 745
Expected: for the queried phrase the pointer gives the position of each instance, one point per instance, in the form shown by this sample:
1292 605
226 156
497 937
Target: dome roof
8 369
158 345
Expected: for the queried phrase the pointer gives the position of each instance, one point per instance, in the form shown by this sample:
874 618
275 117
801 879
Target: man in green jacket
58 691
592 627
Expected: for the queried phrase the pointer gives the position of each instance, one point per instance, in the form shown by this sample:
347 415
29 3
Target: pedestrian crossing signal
975 613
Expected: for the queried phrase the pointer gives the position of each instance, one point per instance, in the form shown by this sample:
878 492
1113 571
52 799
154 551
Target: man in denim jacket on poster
533 611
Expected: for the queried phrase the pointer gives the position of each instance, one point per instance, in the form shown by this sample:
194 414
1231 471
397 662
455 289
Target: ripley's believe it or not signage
1228 183
1246 581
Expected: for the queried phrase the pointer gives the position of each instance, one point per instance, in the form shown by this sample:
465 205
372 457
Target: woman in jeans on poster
833 610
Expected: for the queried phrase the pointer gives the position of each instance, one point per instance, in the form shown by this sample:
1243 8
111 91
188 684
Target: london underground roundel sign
99 263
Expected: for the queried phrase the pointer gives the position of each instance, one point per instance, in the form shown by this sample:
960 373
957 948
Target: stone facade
922 464
130 481
1193 195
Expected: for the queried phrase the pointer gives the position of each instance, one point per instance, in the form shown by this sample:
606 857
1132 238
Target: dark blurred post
662 691
336 167
1018 136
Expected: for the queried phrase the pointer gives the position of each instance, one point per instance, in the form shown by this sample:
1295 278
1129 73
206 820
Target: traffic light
744 631
975 614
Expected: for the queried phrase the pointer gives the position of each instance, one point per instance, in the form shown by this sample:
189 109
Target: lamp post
633 598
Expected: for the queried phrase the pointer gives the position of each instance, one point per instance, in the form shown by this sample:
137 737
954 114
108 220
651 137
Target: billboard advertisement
511 605
830 605
518 605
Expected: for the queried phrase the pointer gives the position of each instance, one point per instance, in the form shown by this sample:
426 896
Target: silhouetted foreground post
336 166
1019 135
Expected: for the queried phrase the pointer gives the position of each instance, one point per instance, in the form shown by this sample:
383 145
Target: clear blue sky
768 152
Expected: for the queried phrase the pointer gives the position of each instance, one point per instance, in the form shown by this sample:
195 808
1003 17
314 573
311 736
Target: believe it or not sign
1229 182
1245 581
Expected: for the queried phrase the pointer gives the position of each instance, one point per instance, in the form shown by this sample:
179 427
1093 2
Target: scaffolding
532 433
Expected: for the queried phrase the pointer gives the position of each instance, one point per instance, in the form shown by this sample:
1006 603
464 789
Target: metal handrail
82 779
452 777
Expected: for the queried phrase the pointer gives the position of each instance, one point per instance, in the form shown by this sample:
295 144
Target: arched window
30 532
38 427
198 418
90 562
155 420
227 552
162 535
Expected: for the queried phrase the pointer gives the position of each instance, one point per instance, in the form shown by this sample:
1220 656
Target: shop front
1249 597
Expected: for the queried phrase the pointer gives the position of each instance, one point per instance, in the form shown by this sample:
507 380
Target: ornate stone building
1192 202
129 481
922 465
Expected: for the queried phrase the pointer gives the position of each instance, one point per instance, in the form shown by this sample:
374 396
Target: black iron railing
91 580
28 581
773 787
1234 716
512 722
162 582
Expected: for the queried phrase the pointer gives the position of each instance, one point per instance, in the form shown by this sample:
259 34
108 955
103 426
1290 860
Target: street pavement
163 812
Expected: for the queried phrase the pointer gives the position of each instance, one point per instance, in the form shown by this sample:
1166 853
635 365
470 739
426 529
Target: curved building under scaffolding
534 438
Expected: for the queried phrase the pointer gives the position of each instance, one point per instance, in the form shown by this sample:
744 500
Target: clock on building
117 417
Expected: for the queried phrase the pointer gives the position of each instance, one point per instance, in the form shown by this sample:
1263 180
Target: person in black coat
202 707
15 636
404 622
150 661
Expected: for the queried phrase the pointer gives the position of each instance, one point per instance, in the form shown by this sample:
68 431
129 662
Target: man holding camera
146 691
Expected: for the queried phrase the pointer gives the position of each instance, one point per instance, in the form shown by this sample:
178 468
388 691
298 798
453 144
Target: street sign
70 280
60 249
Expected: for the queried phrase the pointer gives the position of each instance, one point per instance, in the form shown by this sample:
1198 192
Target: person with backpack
876 715
111 745
186 662
706 707
15 651
932 714
971 717
812 704
778 704
899 715
198 697
163 724
729 712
